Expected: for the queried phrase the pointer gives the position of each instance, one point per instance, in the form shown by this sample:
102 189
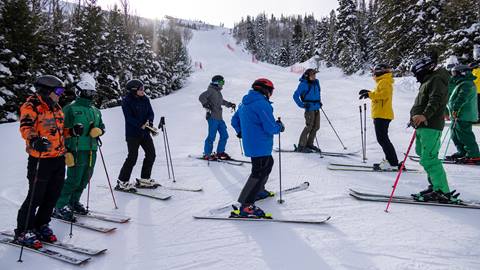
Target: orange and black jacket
37 119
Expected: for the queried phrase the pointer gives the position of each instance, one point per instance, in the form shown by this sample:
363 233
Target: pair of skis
362 168
98 216
372 197
231 161
216 213
444 161
321 153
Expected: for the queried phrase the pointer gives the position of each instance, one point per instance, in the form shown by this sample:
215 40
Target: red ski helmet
263 85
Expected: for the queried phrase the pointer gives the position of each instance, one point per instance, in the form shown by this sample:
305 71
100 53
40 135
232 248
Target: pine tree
260 37
251 38
347 46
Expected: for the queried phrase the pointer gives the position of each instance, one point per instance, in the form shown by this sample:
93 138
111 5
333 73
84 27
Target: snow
5 70
163 235
2 101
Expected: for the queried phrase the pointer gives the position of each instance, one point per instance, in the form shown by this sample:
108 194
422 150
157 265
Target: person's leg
73 181
212 133
222 130
52 192
315 127
86 176
456 138
466 136
126 171
309 123
430 143
381 132
149 149
260 166
266 173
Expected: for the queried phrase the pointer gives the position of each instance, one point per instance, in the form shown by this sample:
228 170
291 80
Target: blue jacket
254 118
137 111
310 93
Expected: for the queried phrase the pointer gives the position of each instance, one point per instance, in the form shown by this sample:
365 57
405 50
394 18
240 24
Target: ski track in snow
163 234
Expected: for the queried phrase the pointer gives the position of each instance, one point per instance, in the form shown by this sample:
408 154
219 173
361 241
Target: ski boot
210 157
314 148
415 196
400 166
304 149
249 211
146 183
223 156
28 239
440 197
264 194
455 156
44 233
125 186
64 213
384 166
78 208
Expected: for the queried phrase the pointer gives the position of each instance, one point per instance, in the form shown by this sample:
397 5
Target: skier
255 124
426 116
85 121
307 96
139 116
212 100
463 112
382 113
41 125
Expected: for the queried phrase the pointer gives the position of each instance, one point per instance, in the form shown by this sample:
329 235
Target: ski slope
163 234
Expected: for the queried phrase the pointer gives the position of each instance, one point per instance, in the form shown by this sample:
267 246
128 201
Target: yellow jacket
476 73
381 97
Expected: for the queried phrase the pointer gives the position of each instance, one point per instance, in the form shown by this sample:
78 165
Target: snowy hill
163 234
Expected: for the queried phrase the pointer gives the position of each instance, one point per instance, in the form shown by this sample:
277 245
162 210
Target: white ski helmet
451 62
85 89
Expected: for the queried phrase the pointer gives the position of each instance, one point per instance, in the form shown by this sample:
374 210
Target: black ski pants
261 168
44 188
133 143
381 131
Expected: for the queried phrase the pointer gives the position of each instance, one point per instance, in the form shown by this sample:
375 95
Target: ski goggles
59 91
221 82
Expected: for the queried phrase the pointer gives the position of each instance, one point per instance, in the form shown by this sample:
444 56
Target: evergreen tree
347 47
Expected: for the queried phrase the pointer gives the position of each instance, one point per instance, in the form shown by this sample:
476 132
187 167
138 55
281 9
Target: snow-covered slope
163 234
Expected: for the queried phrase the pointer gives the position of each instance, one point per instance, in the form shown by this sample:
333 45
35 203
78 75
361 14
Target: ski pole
239 139
318 146
74 177
365 128
160 126
361 133
106 172
450 139
30 203
401 170
280 164
167 144
335 131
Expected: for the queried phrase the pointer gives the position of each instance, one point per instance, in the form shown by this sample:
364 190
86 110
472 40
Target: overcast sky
226 11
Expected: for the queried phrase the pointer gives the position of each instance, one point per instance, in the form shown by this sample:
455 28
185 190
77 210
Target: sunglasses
59 91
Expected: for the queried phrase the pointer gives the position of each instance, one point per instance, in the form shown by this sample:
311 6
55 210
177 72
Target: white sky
226 11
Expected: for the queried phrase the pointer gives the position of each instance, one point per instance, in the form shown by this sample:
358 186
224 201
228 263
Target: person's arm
235 122
28 118
296 96
461 98
204 98
268 122
150 113
436 96
381 91
129 117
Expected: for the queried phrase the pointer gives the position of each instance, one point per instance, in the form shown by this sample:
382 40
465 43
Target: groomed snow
163 234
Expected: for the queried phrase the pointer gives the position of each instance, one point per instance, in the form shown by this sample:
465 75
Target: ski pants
261 168
312 125
215 126
427 147
478 104
133 143
381 131
78 177
464 139
44 187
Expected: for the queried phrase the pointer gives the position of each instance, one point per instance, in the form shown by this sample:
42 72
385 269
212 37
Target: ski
411 201
66 246
280 220
226 161
365 194
361 168
173 188
157 196
323 153
228 206
105 217
88 226
417 159
47 252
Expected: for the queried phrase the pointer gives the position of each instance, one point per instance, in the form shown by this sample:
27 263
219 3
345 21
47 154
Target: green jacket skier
86 124
463 112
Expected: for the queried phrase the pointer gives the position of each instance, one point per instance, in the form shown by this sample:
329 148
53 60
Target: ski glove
239 135
233 106
40 144
77 130
207 106
282 127
363 93
69 159
96 132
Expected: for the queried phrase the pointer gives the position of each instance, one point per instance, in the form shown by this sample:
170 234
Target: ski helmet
263 86
308 72
476 52
85 89
451 62
134 85
460 70
46 84
218 80
380 69
422 66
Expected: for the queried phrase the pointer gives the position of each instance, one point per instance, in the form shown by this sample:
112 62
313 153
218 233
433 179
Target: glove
207 106
306 105
144 125
209 114
152 130
69 159
239 135
363 93
77 130
96 132
321 104
233 106
282 127
40 144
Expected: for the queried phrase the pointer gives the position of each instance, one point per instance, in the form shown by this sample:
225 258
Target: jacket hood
253 96
214 87
387 76
468 77
302 79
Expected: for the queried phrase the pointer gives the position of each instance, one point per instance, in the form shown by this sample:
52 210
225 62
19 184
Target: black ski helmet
134 85
309 71
380 69
460 70
218 80
423 66
46 84
263 86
